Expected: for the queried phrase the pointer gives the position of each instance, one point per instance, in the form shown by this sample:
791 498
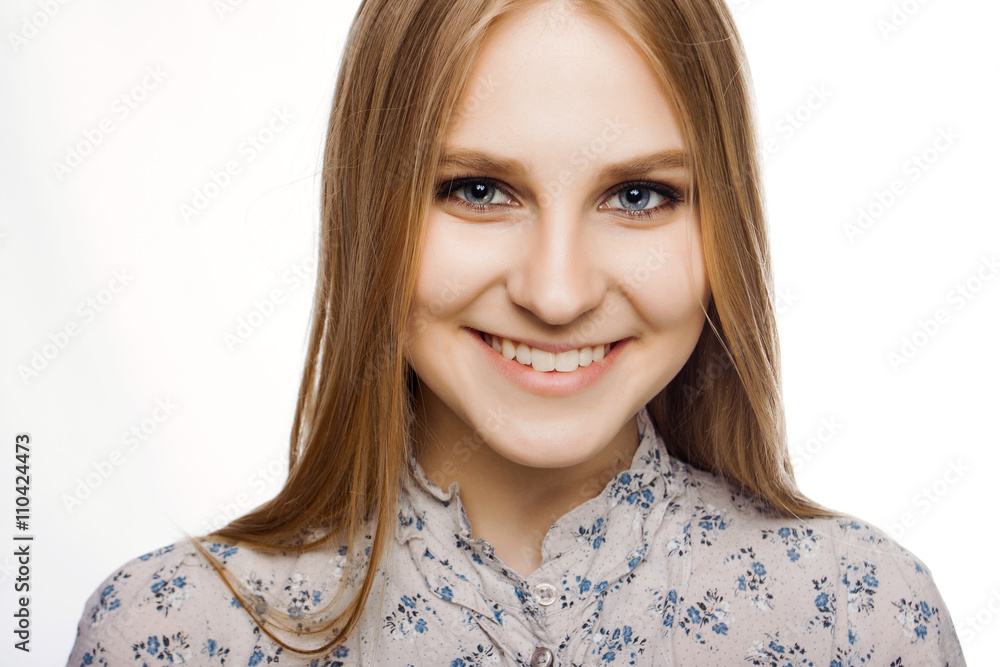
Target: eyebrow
674 158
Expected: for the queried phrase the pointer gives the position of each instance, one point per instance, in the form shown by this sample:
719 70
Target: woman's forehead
562 94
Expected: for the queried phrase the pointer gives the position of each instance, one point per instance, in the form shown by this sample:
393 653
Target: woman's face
562 131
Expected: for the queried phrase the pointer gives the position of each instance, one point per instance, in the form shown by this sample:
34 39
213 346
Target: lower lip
553 383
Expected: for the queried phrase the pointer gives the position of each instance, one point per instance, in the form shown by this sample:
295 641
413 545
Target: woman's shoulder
719 512
729 523
842 573
886 601
150 608
170 605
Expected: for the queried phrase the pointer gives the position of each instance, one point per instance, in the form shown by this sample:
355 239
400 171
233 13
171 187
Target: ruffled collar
607 535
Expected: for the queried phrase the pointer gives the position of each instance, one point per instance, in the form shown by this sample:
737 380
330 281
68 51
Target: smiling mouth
544 360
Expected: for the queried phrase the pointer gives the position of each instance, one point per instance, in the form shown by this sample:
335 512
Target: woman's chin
538 446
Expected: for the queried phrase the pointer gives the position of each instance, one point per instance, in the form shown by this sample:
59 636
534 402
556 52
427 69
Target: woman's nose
556 274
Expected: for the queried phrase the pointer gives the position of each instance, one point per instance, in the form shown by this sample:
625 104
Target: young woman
542 420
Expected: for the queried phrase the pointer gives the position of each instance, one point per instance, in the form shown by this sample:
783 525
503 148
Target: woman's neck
511 506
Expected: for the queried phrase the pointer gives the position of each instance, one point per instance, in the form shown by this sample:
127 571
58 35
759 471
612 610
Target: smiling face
562 221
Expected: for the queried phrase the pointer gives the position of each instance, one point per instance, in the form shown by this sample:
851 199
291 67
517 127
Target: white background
891 432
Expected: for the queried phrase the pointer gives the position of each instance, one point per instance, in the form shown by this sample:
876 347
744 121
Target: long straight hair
405 66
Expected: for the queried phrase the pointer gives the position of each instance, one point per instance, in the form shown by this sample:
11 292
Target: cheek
671 285
453 265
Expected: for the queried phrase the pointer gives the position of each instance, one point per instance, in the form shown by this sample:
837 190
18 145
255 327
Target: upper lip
555 348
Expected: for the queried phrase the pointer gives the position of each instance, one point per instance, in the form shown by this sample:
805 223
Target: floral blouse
669 565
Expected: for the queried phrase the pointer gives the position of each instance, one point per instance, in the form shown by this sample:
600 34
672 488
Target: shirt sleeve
895 612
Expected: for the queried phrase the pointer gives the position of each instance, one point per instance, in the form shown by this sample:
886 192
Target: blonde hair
405 66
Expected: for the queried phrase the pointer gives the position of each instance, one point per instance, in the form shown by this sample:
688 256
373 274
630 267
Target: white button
545 594
542 657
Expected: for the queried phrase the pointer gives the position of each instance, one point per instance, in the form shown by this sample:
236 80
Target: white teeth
567 361
540 360
523 354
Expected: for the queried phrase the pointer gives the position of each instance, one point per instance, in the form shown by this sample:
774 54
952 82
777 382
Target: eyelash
673 197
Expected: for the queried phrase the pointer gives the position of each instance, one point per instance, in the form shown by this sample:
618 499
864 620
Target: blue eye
638 195
481 194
